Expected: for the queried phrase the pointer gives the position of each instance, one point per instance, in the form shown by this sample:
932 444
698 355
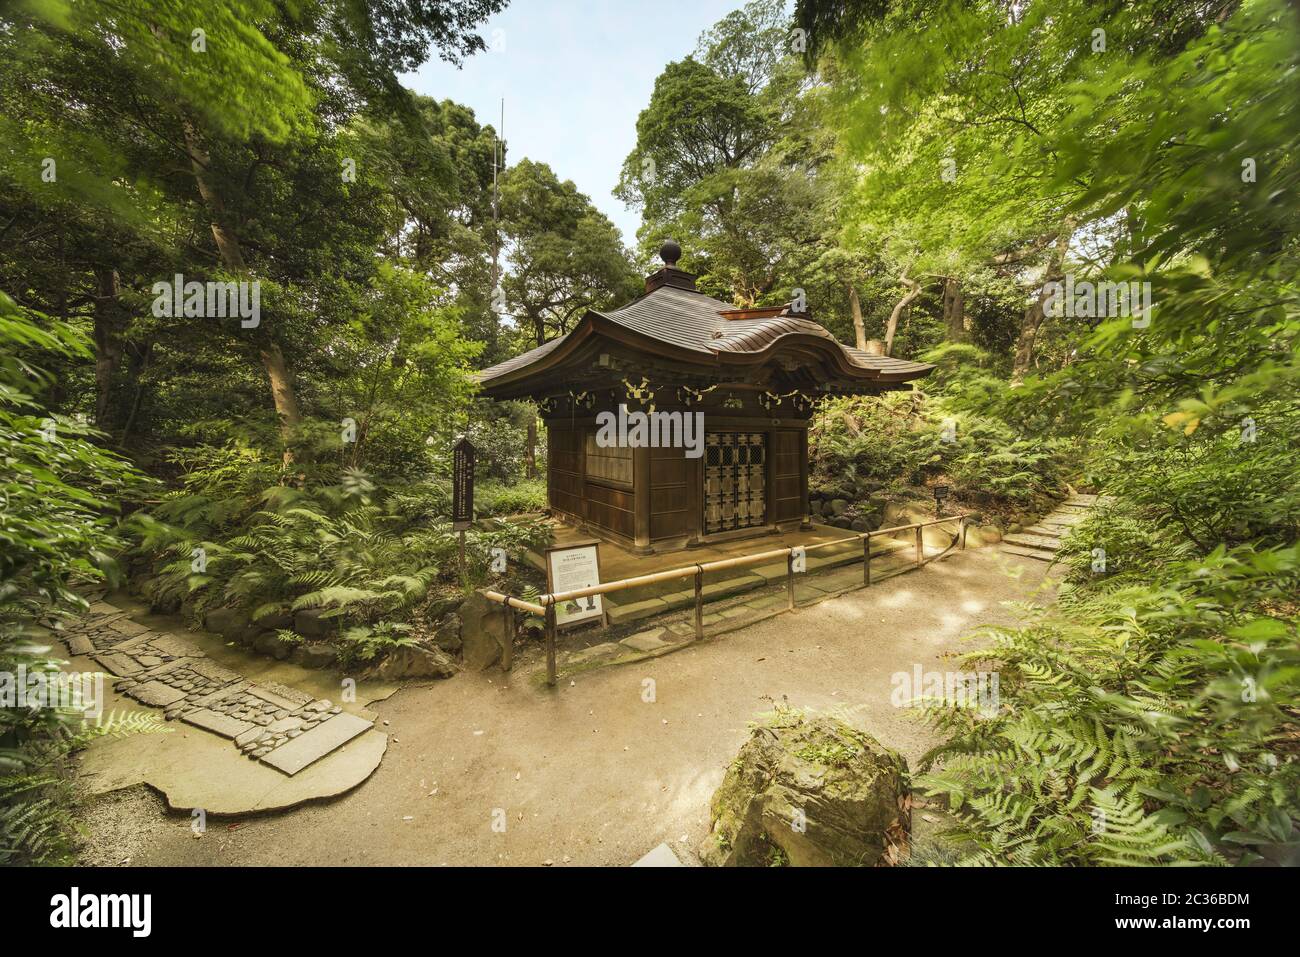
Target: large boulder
269 643
414 661
441 606
276 620
311 623
447 634
316 654
231 624
482 632
222 619
810 792
160 603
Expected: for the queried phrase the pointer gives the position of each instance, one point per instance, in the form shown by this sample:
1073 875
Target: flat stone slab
221 724
214 672
650 640
736 611
289 699
80 645
1051 531
602 650
1033 541
1042 556
156 694
661 856
118 663
1062 522
171 645
313 745
126 626
637 609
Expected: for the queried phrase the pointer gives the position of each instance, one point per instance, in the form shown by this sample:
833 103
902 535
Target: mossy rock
810 792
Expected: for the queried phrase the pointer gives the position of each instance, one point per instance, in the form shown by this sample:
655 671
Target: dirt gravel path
593 773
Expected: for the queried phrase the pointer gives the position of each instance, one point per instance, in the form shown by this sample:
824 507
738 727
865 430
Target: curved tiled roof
695 322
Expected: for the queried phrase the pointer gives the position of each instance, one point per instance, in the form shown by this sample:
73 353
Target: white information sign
570 567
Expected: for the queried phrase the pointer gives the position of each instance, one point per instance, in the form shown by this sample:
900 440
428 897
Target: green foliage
565 256
1149 722
861 446
1149 717
366 554
55 490
361 644
497 499
35 820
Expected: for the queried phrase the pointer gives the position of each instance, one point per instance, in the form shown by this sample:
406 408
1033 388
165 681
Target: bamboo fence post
789 579
508 652
699 603
866 560
920 554
550 645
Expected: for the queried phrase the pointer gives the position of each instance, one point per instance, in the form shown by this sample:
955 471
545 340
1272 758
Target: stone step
1064 522
1047 531
1041 555
1048 542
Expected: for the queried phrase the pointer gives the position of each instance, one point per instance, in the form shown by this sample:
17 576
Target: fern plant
1149 723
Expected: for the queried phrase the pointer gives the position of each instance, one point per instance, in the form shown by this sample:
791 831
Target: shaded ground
591 773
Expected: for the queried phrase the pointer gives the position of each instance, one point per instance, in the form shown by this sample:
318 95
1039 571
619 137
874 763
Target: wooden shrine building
753 374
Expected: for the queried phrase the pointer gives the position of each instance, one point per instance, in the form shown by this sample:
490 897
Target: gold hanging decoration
688 396
798 400
644 394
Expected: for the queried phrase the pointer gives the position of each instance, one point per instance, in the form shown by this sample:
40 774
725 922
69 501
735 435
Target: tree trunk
232 257
954 310
913 290
855 307
286 400
108 343
1034 312
530 454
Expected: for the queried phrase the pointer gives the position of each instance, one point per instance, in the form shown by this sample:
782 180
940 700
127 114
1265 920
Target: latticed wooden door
735 483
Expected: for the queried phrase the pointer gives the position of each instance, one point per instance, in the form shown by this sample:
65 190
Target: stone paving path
1041 541
280 726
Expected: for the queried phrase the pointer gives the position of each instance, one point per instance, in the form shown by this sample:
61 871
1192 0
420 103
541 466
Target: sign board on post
568 568
462 485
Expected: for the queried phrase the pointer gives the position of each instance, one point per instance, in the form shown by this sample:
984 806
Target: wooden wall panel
610 508
564 469
787 474
670 498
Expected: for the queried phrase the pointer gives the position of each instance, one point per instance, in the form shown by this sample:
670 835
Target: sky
575 74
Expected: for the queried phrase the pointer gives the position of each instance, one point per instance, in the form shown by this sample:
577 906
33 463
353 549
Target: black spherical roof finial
670 252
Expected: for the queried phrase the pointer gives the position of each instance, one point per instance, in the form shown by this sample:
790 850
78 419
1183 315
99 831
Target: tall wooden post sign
462 493
462 485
